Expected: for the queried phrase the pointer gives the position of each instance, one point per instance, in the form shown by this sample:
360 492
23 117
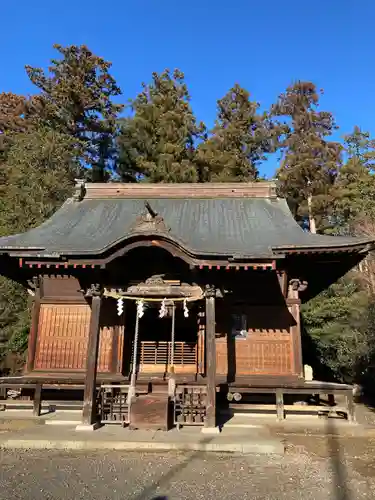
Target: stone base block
87 427
210 430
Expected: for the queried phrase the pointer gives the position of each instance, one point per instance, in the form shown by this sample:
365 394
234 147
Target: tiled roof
247 227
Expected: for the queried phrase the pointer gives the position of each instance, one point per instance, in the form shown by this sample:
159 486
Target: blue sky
262 45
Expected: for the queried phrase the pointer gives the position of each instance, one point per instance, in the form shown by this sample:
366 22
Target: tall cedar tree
240 139
157 143
14 118
39 174
354 190
310 162
341 319
76 99
360 146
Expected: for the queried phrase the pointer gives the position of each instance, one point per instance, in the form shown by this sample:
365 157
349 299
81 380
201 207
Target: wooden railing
160 353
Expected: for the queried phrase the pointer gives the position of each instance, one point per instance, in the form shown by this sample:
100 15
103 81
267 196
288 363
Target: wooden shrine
168 293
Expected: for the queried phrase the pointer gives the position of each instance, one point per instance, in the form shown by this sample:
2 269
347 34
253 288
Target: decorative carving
94 290
210 291
34 283
298 285
156 279
155 286
150 222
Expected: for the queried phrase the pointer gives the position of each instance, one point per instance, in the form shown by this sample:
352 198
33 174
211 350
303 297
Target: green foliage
354 190
76 100
338 321
38 175
361 147
239 141
157 144
310 162
12 119
40 170
353 194
14 312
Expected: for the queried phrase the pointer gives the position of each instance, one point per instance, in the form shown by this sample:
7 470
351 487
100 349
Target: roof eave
361 247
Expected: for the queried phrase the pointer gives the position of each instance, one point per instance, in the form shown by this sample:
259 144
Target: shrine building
158 299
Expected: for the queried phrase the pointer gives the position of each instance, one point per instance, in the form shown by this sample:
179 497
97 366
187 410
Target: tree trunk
312 223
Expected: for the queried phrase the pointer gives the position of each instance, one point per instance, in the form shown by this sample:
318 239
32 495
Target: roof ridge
90 191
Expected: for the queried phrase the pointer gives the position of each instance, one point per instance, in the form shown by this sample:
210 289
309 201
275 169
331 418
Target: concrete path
241 434
19 434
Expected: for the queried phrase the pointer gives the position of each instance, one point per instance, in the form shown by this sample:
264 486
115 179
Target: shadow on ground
145 495
340 488
340 478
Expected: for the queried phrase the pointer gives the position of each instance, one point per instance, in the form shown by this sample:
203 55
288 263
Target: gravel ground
66 475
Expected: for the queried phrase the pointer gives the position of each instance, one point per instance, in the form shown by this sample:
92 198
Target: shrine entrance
158 352
162 335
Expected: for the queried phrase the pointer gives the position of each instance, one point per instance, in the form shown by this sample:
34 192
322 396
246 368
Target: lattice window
160 353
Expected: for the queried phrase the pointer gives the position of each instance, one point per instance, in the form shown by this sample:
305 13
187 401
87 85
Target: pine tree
157 144
77 99
310 161
239 141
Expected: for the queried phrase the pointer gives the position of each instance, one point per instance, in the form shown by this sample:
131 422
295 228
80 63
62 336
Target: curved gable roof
232 222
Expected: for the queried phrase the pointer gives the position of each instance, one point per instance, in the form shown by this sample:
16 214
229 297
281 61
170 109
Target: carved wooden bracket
35 282
94 290
298 285
149 222
210 291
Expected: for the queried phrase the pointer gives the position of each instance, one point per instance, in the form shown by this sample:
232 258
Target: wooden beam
89 398
218 265
93 191
210 420
57 264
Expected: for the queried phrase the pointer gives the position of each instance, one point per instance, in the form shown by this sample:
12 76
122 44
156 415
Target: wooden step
151 412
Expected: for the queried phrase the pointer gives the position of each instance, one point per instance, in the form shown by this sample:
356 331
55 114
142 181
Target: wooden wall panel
265 354
268 349
62 287
63 338
111 325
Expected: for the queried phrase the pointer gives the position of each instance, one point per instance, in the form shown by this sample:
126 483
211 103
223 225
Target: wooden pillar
294 302
37 405
210 421
201 343
297 343
172 375
89 398
280 404
115 349
283 282
350 406
33 337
